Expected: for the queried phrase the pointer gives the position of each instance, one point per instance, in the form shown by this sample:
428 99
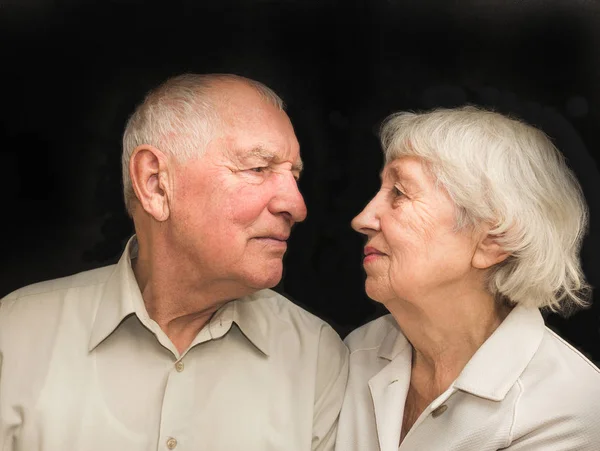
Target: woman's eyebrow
391 170
407 182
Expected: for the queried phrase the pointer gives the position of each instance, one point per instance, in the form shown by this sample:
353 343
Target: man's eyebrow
262 153
298 165
268 156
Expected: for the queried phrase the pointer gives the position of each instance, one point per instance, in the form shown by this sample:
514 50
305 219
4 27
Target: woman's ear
488 252
149 172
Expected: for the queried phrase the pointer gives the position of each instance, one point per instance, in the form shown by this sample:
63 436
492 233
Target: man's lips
274 240
276 236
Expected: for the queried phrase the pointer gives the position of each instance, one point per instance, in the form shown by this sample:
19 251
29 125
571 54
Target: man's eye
258 169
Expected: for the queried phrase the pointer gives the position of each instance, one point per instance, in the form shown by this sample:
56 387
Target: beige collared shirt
525 389
84 368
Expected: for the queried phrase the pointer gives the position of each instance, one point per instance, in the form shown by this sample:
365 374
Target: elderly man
181 345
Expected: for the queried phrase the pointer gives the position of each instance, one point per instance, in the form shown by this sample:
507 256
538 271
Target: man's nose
288 200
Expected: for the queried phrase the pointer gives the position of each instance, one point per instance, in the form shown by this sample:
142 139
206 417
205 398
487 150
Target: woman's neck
445 335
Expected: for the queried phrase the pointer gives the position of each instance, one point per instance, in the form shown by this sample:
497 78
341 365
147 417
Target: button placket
177 405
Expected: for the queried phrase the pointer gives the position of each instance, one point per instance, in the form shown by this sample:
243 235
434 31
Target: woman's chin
374 292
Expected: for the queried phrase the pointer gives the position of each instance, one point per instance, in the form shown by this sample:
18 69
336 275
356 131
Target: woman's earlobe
488 253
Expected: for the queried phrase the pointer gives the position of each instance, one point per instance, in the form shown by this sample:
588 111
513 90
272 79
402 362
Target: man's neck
177 299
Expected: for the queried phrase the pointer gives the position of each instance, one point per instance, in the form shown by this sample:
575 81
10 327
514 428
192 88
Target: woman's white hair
505 173
179 117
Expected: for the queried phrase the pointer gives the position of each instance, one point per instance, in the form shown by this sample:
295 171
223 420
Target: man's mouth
278 240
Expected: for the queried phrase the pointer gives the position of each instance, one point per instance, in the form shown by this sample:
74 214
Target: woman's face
412 251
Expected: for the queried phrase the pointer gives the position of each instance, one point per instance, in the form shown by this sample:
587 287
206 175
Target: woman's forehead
408 168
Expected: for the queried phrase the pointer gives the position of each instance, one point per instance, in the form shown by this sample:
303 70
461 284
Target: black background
72 72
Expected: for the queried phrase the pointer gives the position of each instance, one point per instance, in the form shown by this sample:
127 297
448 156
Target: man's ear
488 252
149 172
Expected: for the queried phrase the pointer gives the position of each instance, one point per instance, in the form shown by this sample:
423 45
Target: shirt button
440 410
179 367
171 443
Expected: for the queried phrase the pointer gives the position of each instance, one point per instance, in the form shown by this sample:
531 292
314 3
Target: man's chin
268 278
269 282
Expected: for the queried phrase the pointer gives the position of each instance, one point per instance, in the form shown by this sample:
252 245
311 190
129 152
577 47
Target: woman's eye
397 192
258 169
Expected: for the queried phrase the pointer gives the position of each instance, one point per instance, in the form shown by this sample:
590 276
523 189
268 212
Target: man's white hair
508 174
179 117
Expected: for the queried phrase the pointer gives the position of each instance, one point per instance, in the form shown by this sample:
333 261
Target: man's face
233 208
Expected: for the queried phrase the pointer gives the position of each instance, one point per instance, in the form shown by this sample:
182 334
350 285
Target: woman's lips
371 258
372 254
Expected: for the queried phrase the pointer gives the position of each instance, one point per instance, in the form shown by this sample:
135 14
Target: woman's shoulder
557 361
559 394
370 335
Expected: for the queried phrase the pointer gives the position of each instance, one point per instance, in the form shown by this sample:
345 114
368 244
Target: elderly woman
476 227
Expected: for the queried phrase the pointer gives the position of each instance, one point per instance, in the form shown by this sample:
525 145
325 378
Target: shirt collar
394 341
498 363
503 357
249 315
122 297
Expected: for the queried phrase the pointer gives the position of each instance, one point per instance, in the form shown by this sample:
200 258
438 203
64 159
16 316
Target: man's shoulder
34 314
52 292
284 321
370 335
